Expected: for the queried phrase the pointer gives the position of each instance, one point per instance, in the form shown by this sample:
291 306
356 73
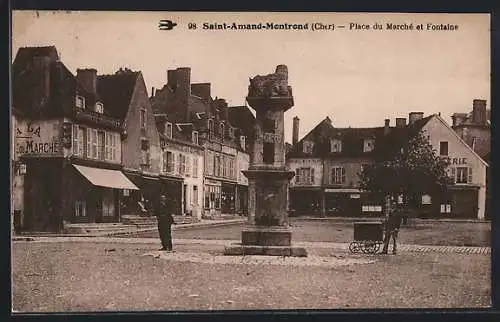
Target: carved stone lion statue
271 85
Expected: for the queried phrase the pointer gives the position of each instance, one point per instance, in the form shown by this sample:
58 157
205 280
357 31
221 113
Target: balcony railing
96 118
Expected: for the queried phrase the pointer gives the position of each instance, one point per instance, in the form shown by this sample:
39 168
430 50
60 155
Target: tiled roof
241 117
116 92
353 140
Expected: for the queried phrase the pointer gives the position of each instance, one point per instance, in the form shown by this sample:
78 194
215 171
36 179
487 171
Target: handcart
368 236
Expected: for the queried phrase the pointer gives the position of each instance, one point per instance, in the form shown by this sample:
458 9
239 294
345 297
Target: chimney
201 90
414 116
172 79
183 91
458 118
386 126
88 79
42 71
295 130
400 122
479 111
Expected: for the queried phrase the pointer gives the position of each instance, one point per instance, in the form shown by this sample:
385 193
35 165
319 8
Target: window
307 147
368 145
145 153
443 148
99 108
79 140
80 102
337 175
108 203
462 174
94 144
115 142
268 125
304 176
268 152
188 165
195 167
195 195
210 163
242 142
182 164
426 200
100 145
194 137
143 118
222 133
168 130
445 208
80 208
207 197
169 162
217 165
224 166
335 145
210 129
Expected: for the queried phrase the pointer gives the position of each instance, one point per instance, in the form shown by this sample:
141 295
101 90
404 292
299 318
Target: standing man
165 221
392 226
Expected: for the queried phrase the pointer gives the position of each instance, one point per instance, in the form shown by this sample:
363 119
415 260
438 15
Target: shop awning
345 190
106 178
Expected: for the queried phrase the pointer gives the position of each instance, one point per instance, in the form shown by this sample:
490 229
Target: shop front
228 198
57 190
305 201
149 194
172 188
212 197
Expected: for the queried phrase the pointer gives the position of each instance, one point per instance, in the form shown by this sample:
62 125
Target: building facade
125 96
328 161
68 143
191 108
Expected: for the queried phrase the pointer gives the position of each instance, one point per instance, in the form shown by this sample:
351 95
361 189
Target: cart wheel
369 247
353 247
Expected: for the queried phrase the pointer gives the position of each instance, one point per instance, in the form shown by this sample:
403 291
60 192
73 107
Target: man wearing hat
165 221
392 226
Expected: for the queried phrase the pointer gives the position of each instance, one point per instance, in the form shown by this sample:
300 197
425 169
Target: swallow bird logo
166 25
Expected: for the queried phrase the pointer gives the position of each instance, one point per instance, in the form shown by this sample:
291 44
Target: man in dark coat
392 226
165 221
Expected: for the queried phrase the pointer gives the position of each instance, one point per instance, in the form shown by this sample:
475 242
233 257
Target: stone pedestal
267 232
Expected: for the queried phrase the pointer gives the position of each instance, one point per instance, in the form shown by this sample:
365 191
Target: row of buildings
88 147
328 160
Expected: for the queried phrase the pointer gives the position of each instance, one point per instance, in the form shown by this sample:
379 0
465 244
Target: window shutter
312 176
469 179
453 174
89 142
297 176
75 139
188 165
343 174
106 145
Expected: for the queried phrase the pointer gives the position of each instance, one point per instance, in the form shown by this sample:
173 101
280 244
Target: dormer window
194 137
307 147
335 145
168 130
80 102
99 108
368 145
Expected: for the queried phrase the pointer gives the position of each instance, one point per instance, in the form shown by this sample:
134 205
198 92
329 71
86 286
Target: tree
412 169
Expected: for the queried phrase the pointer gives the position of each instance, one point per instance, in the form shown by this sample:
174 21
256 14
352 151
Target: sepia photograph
212 161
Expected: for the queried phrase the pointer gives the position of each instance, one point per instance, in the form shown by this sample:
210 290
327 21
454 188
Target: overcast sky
356 77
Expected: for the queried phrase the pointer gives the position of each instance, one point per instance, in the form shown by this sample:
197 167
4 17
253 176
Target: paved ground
83 276
419 232
342 247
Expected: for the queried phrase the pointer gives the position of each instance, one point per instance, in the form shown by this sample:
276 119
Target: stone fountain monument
267 232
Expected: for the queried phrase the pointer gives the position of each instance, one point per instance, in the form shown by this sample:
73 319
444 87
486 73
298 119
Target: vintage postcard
207 161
